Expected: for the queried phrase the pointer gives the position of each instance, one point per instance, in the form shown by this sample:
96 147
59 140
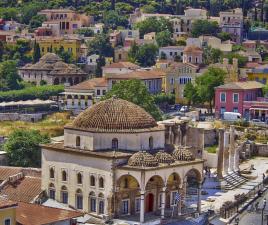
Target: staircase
234 180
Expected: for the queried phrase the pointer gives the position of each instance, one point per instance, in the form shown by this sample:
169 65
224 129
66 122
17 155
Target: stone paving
218 197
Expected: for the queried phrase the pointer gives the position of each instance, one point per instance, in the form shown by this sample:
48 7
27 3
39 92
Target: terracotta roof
7 171
141 75
6 203
24 189
244 85
122 65
142 159
192 48
90 84
114 115
32 214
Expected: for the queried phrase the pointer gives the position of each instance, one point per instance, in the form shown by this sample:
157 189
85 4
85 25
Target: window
173 198
115 144
235 109
137 204
77 141
92 202
235 97
79 178
223 97
101 206
7 222
51 173
101 182
125 206
98 92
151 143
64 175
92 181
103 92
79 199
51 191
64 195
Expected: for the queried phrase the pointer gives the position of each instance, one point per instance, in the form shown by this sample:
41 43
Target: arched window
92 202
151 143
51 173
101 182
79 199
125 183
101 203
64 195
92 181
79 178
115 144
77 141
64 175
51 191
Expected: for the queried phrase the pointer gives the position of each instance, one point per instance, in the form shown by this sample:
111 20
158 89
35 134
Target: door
150 202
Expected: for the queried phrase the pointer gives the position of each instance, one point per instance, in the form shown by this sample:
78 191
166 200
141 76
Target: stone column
226 153
171 136
142 207
163 202
232 148
199 198
180 202
220 154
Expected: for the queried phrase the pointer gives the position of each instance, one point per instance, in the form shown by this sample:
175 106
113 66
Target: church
114 163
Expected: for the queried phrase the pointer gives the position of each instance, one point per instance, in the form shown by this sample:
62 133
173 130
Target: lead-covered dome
114 115
164 157
143 159
183 154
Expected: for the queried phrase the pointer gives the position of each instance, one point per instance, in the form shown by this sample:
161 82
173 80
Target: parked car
231 116
184 109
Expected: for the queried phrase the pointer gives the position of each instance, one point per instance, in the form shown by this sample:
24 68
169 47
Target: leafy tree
100 45
113 19
153 24
163 55
135 91
236 48
23 148
36 53
9 13
206 83
204 27
29 10
65 55
242 60
9 78
87 32
224 36
124 7
265 90
191 94
212 55
163 38
147 55
36 21
100 64
133 52
181 42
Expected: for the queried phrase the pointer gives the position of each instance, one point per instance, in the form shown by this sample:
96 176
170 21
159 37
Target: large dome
114 115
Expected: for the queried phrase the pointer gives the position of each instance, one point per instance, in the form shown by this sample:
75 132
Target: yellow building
69 45
177 76
7 211
259 74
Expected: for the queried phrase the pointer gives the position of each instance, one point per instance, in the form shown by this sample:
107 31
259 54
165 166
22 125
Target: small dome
143 159
114 115
164 157
50 58
192 48
183 154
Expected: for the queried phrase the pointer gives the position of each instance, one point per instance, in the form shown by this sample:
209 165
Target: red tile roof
123 65
32 214
5 203
142 75
90 84
7 171
243 85
24 189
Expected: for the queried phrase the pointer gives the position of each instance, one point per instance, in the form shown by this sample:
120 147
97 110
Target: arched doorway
70 81
149 203
56 81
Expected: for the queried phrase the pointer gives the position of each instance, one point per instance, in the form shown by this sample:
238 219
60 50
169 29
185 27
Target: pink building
242 97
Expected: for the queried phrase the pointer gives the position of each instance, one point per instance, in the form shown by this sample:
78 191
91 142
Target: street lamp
264 204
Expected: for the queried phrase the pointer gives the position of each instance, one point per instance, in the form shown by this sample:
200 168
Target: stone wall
211 159
23 117
210 137
261 149
195 139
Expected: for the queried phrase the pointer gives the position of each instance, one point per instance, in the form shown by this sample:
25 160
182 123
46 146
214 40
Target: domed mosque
113 162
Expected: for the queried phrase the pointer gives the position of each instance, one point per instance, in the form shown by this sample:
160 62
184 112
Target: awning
264 109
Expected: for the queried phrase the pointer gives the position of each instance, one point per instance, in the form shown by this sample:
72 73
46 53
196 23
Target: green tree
224 36
100 45
163 38
204 27
242 60
87 32
212 55
23 148
36 53
191 94
29 10
66 56
36 21
9 13
154 24
100 64
112 19
135 91
9 78
133 52
206 83
147 55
